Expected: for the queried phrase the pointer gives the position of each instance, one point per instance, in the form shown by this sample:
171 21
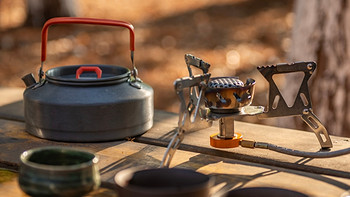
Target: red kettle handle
77 20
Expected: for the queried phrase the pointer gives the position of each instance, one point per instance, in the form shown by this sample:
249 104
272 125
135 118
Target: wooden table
232 168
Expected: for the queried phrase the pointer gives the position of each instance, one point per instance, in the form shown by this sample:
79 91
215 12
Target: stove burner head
228 94
225 82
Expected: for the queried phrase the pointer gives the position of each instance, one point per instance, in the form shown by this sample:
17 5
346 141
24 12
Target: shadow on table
13 111
202 162
237 181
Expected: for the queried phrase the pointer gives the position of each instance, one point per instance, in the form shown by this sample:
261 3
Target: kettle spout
29 80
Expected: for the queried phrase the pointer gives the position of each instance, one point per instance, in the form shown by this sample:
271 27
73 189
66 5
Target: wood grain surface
231 168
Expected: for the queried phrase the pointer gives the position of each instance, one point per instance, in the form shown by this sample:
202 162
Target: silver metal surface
228 94
194 61
191 112
244 111
221 98
315 124
227 127
277 106
225 82
194 115
197 113
193 109
40 71
134 81
172 147
281 108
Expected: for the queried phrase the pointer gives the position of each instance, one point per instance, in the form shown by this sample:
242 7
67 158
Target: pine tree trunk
39 11
321 33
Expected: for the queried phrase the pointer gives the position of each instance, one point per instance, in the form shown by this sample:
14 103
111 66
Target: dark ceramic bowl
58 171
263 191
170 182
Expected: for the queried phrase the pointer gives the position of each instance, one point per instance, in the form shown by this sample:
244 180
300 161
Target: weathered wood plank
14 140
228 173
165 125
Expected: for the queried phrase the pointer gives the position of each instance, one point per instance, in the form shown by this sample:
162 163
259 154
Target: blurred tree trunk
39 11
321 33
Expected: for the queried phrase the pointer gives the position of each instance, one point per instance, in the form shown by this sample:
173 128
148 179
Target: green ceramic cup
58 171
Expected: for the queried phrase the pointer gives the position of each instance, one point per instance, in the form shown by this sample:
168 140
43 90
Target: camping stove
225 98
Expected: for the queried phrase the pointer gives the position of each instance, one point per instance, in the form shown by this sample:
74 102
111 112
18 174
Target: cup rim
26 154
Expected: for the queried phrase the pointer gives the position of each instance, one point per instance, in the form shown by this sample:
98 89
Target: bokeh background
234 36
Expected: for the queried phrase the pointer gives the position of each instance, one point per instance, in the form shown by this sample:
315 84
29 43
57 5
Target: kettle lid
87 74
